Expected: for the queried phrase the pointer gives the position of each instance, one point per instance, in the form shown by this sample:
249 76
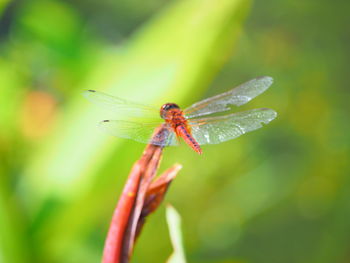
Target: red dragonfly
192 123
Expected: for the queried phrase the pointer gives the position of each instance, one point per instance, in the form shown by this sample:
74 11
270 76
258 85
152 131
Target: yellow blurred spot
131 194
37 114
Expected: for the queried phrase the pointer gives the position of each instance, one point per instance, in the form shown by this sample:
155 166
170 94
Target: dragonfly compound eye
166 107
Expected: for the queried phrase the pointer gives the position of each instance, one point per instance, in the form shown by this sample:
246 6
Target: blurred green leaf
3 5
13 241
174 224
58 24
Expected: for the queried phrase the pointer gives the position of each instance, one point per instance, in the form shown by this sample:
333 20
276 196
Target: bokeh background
279 194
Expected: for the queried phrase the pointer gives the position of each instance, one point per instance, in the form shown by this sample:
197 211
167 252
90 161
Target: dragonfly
194 124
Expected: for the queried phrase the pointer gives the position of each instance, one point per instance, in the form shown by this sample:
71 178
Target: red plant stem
146 179
117 249
114 241
126 219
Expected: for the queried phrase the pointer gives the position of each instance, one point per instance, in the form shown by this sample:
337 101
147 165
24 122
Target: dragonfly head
164 110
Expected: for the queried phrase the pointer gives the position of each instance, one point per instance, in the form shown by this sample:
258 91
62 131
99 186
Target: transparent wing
154 133
219 129
122 108
237 96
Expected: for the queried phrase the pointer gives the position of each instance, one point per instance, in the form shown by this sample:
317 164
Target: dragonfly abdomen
182 131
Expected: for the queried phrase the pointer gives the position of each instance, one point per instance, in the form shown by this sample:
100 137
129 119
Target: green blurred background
279 194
